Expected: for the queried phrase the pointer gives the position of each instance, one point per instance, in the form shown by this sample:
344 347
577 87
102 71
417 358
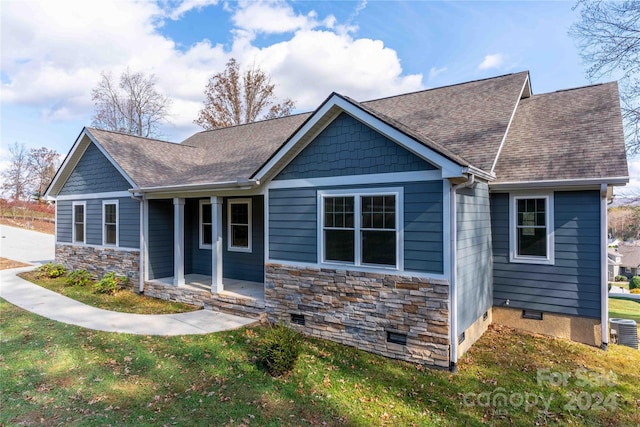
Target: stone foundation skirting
224 301
99 260
369 311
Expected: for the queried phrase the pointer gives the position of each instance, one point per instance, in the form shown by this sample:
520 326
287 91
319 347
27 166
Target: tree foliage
608 35
624 222
234 98
29 172
133 106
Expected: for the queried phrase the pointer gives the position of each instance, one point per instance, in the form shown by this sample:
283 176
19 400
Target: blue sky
52 53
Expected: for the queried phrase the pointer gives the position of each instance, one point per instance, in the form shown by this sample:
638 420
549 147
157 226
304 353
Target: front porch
239 297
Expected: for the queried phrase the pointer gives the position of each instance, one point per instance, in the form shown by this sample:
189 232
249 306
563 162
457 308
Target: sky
53 53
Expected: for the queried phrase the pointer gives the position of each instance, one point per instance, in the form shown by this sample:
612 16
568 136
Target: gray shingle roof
570 134
563 135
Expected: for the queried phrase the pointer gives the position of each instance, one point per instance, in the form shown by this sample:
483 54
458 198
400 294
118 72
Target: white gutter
515 185
453 310
141 261
239 183
604 291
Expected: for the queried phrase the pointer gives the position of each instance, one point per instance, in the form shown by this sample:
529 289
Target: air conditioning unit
624 332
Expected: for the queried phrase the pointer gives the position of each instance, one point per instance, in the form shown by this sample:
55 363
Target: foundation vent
532 314
485 316
298 319
461 338
396 338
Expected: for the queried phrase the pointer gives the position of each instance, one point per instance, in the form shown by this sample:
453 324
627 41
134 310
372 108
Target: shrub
634 283
51 270
279 349
110 284
79 278
635 291
620 278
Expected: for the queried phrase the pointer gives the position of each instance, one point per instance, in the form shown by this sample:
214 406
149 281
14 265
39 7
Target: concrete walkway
37 248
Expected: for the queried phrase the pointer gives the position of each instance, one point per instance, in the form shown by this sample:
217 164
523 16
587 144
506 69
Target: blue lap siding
293 224
160 239
570 286
473 247
93 174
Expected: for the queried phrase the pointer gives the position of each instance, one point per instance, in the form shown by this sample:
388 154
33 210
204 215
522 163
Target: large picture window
206 229
360 229
110 223
78 222
239 225
532 229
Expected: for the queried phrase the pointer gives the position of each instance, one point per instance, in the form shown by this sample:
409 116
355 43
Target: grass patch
56 374
124 301
623 285
624 308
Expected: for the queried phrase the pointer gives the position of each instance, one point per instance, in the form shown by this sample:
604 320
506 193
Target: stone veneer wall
225 302
100 260
358 309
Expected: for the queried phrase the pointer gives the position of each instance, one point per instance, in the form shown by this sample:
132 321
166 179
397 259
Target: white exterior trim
216 237
604 290
556 184
397 192
178 241
550 229
84 223
104 234
386 178
201 243
92 196
230 247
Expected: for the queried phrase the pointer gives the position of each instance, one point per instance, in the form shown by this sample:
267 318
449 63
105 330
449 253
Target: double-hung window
239 225
361 228
110 223
78 222
531 229
206 233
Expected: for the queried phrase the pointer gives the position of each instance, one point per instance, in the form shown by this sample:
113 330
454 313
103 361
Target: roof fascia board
449 168
188 188
111 160
560 183
525 87
69 163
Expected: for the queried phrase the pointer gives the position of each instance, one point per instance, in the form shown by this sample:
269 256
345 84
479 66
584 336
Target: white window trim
398 192
104 234
549 220
203 245
73 222
231 202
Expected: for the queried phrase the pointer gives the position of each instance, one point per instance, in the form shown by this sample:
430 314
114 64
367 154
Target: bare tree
233 98
16 179
608 35
134 106
43 163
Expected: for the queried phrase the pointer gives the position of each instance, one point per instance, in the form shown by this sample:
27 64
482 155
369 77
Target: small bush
609 286
634 283
51 270
279 349
110 284
620 278
79 278
635 291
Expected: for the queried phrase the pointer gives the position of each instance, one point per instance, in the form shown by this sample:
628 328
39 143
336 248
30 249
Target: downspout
141 261
604 291
453 310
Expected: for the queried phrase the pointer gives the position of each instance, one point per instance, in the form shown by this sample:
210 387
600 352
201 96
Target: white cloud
435 72
495 60
52 56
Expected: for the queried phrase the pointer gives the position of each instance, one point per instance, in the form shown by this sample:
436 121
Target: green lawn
124 301
56 374
624 308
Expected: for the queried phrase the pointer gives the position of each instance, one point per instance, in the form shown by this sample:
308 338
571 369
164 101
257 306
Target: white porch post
216 244
178 241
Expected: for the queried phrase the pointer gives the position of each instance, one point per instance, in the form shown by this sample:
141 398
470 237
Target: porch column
178 241
216 244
